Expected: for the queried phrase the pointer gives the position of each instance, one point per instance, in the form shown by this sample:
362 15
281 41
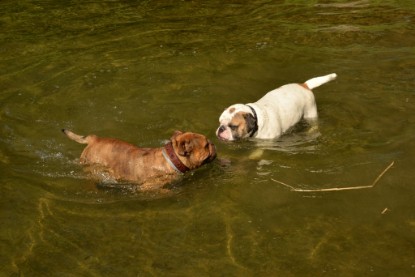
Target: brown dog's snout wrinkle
212 152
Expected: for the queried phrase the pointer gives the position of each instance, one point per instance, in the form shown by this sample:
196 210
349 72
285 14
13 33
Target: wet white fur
279 109
318 81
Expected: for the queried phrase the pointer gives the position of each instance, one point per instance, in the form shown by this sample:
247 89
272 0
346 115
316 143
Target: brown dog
150 167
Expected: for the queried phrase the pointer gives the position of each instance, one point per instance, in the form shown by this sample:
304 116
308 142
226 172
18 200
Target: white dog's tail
318 81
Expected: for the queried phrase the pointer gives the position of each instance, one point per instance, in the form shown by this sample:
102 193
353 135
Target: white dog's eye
233 127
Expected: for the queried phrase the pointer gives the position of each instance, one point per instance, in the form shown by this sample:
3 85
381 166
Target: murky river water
138 70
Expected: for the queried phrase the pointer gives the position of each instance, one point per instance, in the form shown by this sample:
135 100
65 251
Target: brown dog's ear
185 147
175 134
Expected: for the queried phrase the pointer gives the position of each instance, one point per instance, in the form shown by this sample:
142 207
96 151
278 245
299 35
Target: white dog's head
237 122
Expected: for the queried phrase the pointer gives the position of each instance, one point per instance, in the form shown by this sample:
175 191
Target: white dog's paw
256 154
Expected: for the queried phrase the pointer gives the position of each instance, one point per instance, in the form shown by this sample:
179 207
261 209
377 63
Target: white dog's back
283 107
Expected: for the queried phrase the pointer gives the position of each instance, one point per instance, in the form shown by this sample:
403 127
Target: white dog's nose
221 129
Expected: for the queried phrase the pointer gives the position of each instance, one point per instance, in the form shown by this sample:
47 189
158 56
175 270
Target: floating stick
385 210
338 189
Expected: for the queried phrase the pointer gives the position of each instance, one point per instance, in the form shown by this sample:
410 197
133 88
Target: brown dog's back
121 159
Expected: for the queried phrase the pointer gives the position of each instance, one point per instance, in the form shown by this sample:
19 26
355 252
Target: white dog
273 114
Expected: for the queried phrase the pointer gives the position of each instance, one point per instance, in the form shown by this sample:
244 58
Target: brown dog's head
193 149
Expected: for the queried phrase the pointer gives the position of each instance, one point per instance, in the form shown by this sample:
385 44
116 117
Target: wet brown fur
146 166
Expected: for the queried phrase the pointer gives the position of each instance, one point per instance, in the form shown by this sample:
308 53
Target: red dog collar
172 159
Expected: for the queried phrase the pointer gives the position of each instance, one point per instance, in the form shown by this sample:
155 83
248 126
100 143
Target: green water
138 70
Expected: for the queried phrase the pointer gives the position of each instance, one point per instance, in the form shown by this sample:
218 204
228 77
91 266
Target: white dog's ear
251 123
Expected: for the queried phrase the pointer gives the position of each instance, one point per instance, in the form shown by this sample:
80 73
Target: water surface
140 70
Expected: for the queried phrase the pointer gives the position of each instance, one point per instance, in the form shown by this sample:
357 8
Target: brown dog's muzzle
212 152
